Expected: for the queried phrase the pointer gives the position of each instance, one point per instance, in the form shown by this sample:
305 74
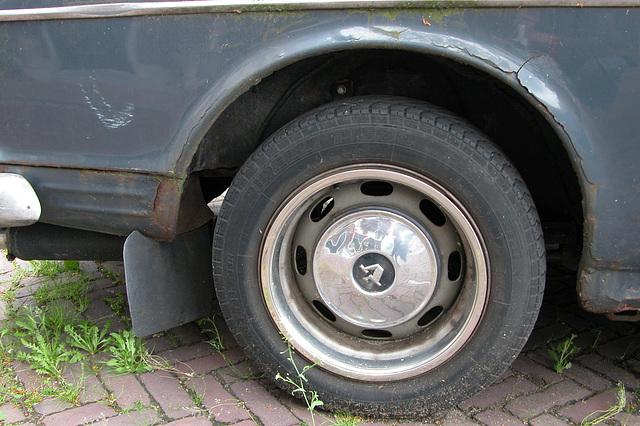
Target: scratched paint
112 116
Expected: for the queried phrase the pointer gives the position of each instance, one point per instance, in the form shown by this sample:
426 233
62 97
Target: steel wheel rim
337 336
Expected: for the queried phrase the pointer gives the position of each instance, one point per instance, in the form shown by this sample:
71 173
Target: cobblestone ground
195 384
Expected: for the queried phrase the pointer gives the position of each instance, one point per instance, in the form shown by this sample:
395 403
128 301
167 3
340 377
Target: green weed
298 385
75 291
343 419
596 341
137 406
561 353
47 356
56 317
9 297
108 273
129 353
208 325
71 265
32 334
48 321
30 322
198 398
87 336
120 307
600 416
39 268
65 391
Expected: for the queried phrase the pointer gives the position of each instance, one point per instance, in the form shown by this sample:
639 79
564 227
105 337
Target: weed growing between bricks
44 332
196 374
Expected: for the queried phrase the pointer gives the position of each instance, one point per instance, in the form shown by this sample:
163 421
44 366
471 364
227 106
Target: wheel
388 243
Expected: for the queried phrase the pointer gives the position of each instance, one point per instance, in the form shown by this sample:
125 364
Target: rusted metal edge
114 10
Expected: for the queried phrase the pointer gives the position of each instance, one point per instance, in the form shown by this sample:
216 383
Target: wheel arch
485 94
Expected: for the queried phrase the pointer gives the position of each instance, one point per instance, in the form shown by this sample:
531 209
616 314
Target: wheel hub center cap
375 268
374 273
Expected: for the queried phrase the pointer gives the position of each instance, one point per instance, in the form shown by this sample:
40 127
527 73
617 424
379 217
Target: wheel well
498 110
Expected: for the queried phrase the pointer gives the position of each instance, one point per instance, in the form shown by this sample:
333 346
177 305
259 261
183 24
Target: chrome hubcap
375 269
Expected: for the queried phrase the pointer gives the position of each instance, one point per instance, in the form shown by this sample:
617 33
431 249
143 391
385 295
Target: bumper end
19 204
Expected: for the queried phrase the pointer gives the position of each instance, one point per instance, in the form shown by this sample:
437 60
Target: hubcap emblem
373 272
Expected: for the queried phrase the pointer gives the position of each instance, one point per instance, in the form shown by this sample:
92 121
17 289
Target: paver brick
188 334
241 371
29 378
593 338
100 284
99 313
456 418
621 328
51 405
158 344
192 421
547 420
11 413
508 373
541 336
211 362
80 415
268 409
526 407
619 348
225 407
168 392
617 374
126 389
92 390
497 418
203 365
528 367
29 285
187 353
628 419
146 416
633 365
300 410
110 292
496 393
587 378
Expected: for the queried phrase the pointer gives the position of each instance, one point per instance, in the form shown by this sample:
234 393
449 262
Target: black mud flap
168 283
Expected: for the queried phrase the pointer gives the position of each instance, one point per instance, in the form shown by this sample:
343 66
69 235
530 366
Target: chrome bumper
19 204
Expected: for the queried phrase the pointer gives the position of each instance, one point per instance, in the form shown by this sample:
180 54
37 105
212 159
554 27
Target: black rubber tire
432 143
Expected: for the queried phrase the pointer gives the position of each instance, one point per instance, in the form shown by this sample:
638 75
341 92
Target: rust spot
165 207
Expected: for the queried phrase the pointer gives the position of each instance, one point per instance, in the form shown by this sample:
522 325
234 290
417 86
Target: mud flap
168 283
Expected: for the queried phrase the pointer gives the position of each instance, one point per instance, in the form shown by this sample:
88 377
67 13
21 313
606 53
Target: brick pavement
198 386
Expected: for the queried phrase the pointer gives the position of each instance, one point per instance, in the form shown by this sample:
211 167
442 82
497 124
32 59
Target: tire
388 242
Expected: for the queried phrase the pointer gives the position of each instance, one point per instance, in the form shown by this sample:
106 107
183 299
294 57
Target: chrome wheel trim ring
341 347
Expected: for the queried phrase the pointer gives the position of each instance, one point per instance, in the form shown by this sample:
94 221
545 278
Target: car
397 175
